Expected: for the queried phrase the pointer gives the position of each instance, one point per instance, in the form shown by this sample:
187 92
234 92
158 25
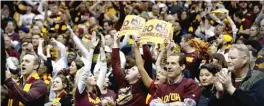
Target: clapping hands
223 81
108 101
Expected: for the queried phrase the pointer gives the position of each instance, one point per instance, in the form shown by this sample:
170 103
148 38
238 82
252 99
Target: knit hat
24 29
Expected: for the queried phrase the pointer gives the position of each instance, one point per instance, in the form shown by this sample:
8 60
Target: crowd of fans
70 53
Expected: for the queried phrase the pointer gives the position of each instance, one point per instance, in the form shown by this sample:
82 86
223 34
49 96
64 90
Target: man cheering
178 90
238 85
30 90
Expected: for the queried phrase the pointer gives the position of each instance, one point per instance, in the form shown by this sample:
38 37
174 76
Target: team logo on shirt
124 95
189 59
94 101
172 97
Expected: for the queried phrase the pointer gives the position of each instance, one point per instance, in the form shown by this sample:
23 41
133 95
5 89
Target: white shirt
26 19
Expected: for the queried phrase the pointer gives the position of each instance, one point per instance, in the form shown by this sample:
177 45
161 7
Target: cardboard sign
156 31
132 25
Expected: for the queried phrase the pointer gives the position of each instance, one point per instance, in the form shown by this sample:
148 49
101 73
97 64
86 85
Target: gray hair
243 49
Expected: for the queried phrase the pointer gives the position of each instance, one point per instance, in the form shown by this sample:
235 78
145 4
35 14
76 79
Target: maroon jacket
128 95
187 88
35 97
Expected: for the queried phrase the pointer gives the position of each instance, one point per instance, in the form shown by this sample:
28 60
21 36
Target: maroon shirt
246 24
237 84
192 63
14 36
187 88
250 16
35 97
109 93
128 94
13 53
86 99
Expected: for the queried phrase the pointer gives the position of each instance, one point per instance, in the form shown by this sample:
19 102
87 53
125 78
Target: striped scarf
26 88
47 78
57 99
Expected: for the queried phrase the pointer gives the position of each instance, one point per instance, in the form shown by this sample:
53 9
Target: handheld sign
132 25
156 31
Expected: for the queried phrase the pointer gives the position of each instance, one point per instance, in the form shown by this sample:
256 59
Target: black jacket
249 93
206 94
66 100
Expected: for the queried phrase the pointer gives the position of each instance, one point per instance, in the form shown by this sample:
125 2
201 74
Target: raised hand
41 40
116 37
94 40
137 43
49 47
103 56
102 40
167 44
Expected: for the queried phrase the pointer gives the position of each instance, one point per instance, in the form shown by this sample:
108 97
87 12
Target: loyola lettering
172 97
